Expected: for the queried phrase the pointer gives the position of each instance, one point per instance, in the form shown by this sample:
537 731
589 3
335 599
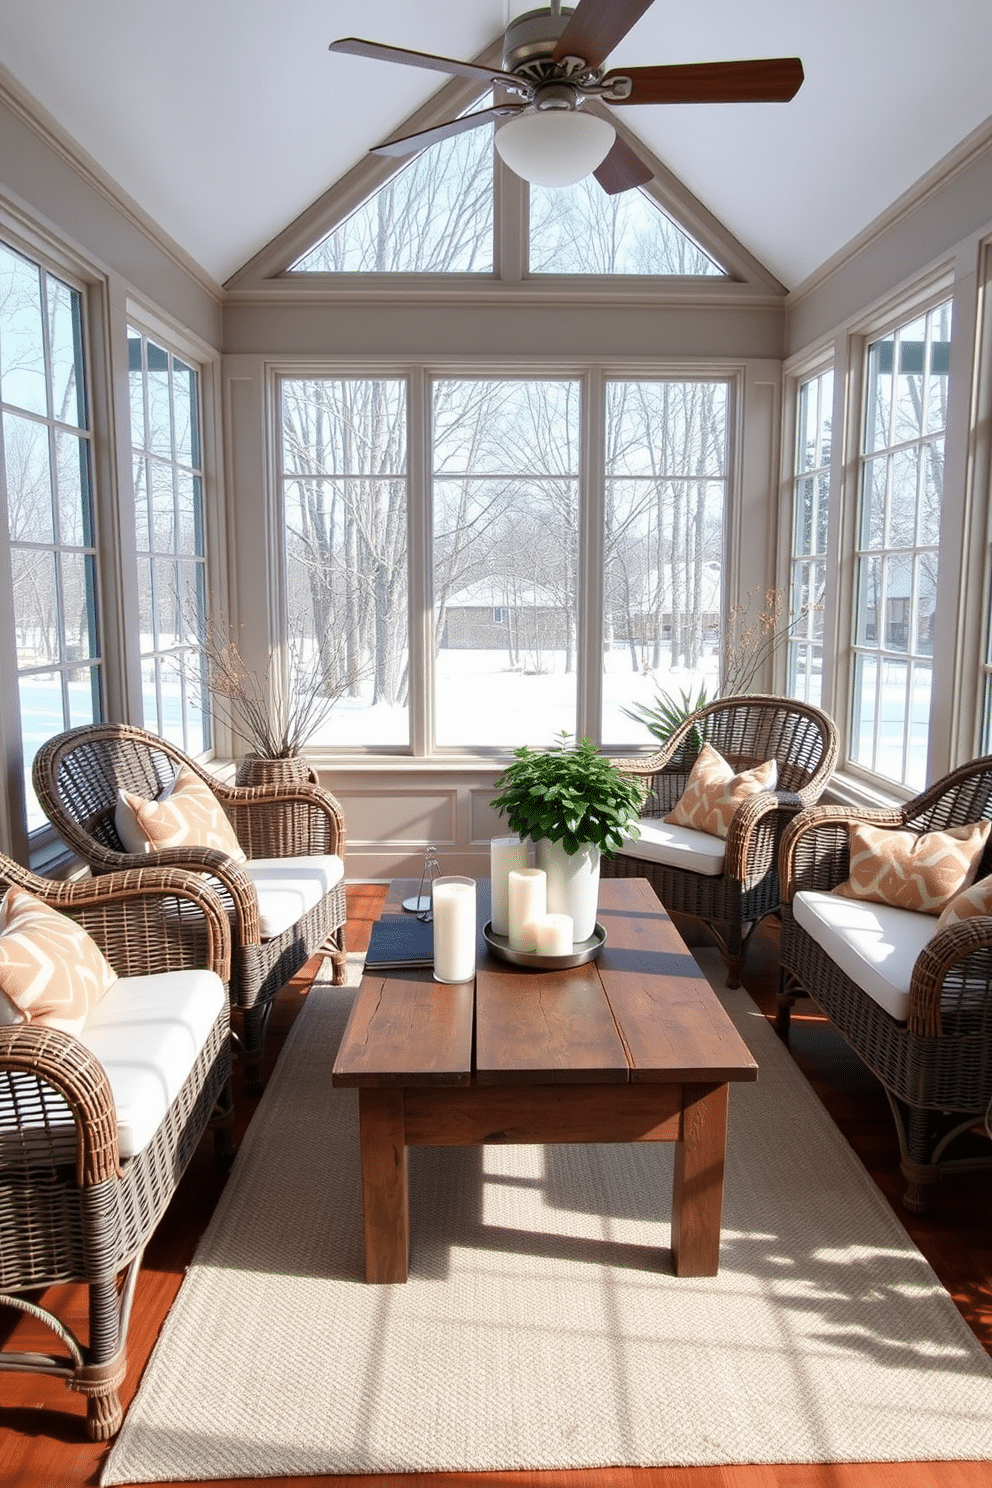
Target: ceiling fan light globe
556 147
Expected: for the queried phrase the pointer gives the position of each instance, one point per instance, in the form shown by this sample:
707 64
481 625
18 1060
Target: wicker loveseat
730 884
293 836
912 1000
96 1129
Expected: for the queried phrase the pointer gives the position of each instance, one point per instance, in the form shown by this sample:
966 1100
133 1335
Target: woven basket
258 769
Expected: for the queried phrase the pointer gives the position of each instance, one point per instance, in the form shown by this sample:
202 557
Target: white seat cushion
147 1033
288 887
677 847
876 945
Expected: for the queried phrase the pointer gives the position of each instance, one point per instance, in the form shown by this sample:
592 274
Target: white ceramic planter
573 883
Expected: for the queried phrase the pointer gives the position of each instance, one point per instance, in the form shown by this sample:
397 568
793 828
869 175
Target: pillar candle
554 935
527 894
505 855
454 929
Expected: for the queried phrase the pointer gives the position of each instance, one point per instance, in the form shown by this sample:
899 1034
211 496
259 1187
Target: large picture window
901 488
46 472
171 552
523 528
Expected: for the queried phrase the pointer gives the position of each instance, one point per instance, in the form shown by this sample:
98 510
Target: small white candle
505 855
527 893
554 935
454 929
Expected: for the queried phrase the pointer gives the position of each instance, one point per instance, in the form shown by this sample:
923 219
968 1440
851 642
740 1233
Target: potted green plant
574 804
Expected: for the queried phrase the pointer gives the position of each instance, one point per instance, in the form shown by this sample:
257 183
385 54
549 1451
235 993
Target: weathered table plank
632 1047
672 1021
406 1029
551 1027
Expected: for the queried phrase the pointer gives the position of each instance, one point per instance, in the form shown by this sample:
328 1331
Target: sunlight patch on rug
542 1327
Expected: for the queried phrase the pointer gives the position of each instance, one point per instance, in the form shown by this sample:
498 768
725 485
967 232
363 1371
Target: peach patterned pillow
51 971
713 792
922 871
964 906
190 816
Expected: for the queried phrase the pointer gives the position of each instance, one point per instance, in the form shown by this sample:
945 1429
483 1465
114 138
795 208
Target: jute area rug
541 1326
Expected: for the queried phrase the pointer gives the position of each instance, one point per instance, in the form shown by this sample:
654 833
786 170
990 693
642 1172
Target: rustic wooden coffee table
632 1047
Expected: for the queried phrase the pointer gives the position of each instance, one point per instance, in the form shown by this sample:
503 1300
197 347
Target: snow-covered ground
483 703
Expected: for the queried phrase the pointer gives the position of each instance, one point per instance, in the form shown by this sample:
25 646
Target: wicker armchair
77 776
935 1064
744 886
72 1208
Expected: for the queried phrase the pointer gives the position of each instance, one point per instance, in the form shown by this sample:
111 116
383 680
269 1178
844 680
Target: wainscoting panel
394 813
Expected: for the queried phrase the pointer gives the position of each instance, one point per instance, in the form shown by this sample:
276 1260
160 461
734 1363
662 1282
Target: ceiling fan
553 60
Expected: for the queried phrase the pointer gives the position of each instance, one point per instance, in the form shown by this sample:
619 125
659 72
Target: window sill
52 859
851 790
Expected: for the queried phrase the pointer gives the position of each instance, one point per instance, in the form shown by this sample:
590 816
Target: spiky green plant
667 713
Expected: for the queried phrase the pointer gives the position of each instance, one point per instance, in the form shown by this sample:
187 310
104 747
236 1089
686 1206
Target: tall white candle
505 855
527 892
454 929
554 935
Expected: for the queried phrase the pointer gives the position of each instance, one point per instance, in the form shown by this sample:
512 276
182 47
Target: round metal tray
582 951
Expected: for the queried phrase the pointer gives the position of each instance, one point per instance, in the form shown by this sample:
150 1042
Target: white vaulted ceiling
224 119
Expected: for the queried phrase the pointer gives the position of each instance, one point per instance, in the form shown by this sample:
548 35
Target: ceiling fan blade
408 144
761 80
622 169
596 27
356 47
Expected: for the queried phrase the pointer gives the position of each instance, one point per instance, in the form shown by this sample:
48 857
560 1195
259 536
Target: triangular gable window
581 230
435 216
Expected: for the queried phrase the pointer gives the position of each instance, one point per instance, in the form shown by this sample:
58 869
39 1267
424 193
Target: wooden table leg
697 1197
385 1188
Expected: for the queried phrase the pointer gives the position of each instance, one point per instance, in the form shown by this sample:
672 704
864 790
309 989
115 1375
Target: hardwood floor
41 1437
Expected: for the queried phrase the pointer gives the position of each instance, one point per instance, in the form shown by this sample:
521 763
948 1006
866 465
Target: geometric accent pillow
713 792
964 906
126 824
51 970
912 870
190 816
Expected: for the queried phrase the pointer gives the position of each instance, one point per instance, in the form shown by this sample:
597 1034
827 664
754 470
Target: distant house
647 610
504 615
898 610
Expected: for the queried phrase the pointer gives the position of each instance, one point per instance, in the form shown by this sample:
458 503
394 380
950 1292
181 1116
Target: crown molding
964 155
37 118
355 290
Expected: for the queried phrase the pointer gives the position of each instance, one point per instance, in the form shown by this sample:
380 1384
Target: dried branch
750 640
276 711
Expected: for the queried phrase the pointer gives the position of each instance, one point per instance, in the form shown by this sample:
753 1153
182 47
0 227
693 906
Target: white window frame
219 536
592 376
36 843
156 655
802 635
977 652
881 650
963 629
